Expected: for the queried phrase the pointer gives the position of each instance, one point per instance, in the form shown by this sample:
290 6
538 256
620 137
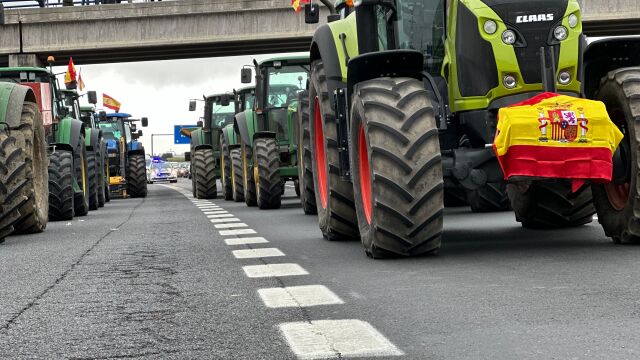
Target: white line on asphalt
211 208
206 206
215 212
230 225
257 253
322 339
237 232
224 220
298 296
273 270
245 241
214 216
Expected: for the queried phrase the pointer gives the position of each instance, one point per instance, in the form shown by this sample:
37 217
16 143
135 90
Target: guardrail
26 4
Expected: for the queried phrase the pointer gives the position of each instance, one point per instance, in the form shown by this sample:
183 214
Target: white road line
224 220
322 339
273 270
298 296
215 216
257 253
230 225
211 208
247 240
207 206
215 212
237 232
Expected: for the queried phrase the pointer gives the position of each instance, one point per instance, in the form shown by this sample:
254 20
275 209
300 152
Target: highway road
169 277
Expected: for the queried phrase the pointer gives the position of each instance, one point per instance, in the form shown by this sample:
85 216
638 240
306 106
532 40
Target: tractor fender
324 47
264 135
604 55
12 98
229 136
401 63
138 151
68 134
92 138
198 140
245 122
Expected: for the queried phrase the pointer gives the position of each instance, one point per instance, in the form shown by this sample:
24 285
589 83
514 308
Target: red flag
70 75
111 103
297 4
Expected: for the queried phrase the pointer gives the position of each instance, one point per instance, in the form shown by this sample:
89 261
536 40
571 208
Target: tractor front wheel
137 177
490 197
61 185
236 175
81 197
93 174
305 169
101 174
266 163
12 180
248 180
205 181
225 167
397 168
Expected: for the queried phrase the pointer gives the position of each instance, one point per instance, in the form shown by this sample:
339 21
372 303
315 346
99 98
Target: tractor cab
88 116
219 111
245 98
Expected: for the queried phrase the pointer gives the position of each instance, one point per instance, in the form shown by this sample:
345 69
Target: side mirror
145 122
102 116
224 100
92 97
245 75
311 13
192 105
187 156
200 124
134 127
139 132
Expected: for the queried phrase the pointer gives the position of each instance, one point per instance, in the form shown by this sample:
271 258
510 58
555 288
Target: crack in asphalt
5 327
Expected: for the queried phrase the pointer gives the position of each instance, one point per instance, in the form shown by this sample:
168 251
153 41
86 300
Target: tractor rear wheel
618 202
225 167
61 185
305 170
12 180
550 204
137 176
81 198
248 180
35 211
489 198
397 168
93 174
192 176
237 184
334 197
100 174
205 181
266 164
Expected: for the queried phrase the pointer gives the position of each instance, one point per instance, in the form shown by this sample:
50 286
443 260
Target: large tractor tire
137 177
550 204
305 171
618 203
236 175
334 197
266 163
248 180
81 172
397 168
491 197
34 213
192 176
225 167
93 174
205 181
61 185
102 158
12 180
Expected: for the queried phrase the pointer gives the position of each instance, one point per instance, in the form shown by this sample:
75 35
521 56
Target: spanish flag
296 4
80 82
70 75
556 136
111 103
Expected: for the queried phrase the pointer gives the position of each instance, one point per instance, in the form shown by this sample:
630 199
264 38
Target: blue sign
178 133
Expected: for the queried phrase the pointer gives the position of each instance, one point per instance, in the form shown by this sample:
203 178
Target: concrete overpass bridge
202 28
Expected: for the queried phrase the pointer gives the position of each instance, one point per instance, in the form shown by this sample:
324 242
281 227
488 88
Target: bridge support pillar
32 60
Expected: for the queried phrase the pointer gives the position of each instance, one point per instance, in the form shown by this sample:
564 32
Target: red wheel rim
321 167
365 177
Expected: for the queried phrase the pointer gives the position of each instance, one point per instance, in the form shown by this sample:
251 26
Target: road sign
178 137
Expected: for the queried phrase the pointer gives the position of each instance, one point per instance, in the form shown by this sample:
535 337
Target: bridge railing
25 4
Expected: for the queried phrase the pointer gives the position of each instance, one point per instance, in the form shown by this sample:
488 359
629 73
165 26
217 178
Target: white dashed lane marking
237 232
299 296
246 241
217 212
321 339
214 216
273 270
224 220
230 225
257 253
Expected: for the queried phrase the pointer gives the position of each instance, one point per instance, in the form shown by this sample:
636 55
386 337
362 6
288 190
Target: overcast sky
160 90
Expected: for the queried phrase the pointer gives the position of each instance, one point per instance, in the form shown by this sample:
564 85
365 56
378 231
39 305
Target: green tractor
127 170
68 193
96 158
268 155
404 99
205 154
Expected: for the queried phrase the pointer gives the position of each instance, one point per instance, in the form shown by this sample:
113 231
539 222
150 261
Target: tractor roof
119 115
87 108
25 68
220 94
246 88
296 59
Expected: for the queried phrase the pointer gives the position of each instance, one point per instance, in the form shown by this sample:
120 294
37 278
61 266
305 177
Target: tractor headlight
560 33
509 81
509 37
490 27
564 77
572 20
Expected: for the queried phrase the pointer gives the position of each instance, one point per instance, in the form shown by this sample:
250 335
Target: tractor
404 100
305 188
205 154
127 171
244 99
96 157
64 134
268 155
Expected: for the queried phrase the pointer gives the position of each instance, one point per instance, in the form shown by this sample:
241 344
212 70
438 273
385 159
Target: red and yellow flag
297 4
70 75
556 136
80 82
111 103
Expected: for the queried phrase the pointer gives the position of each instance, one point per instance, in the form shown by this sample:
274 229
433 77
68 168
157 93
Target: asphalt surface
153 278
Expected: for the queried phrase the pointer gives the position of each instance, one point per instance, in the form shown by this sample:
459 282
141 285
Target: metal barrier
25 4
